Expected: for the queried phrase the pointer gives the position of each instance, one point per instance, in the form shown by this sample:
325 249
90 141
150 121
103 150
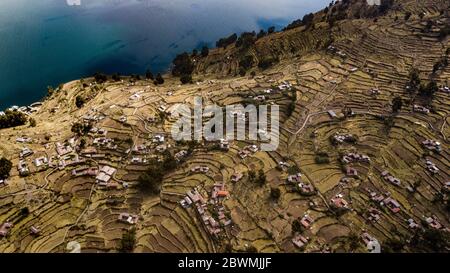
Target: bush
32 122
5 168
322 158
12 119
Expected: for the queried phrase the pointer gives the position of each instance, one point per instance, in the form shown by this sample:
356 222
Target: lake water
47 42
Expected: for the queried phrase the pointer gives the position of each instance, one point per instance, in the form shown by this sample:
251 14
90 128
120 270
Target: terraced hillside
353 167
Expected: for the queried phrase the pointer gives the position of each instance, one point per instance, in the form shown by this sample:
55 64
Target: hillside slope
367 162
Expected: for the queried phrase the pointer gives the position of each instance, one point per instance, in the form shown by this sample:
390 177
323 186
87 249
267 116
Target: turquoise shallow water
48 42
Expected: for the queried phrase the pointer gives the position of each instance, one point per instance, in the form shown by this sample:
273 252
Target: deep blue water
47 42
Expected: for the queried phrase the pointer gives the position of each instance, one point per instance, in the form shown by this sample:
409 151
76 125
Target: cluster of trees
81 128
259 179
431 240
128 241
245 64
267 62
306 21
12 119
205 51
100 77
224 42
150 181
183 67
156 80
116 77
246 40
5 168
428 90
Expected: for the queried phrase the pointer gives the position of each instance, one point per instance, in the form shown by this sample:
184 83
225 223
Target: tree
159 79
79 101
149 75
128 241
397 104
205 51
183 65
261 178
275 193
414 80
251 175
271 30
5 168
290 108
186 78
296 226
